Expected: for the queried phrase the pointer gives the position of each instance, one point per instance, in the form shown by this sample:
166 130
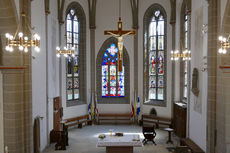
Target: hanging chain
119 8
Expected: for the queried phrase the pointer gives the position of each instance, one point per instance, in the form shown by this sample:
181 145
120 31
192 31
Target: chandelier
224 44
22 42
65 51
185 55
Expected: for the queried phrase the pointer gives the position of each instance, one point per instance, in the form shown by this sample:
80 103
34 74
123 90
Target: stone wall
223 84
16 83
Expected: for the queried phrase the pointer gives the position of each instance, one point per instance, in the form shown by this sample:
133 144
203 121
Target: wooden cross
119 34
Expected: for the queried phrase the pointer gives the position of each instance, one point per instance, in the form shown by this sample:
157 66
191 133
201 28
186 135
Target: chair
149 134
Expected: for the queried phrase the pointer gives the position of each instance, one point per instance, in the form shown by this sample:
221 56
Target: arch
148 14
109 100
146 22
82 52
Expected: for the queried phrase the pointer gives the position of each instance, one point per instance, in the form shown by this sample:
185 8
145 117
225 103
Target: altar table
120 144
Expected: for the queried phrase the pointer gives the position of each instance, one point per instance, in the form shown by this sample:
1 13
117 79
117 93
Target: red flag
96 105
132 113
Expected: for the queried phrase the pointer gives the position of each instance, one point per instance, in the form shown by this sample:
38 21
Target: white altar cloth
126 140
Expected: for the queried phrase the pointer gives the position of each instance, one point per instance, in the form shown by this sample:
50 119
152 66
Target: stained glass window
156 40
72 40
185 64
113 81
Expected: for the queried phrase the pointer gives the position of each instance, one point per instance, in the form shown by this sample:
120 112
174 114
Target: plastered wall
40 106
198 104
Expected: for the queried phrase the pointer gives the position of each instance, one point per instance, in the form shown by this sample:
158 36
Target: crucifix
120 34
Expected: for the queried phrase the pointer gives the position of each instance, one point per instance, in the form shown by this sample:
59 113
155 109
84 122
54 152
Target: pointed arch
155 58
112 99
76 67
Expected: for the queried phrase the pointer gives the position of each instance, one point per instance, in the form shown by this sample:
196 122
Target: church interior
114 76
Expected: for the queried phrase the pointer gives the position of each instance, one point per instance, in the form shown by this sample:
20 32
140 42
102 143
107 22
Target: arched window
112 85
155 55
75 66
113 82
185 63
72 39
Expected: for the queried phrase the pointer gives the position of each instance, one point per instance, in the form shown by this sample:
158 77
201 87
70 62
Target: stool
169 131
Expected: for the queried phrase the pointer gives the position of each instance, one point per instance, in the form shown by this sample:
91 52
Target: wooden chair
149 134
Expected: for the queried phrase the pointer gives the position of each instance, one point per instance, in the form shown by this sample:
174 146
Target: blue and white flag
89 109
138 106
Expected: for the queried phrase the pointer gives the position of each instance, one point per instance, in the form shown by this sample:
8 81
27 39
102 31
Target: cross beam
119 34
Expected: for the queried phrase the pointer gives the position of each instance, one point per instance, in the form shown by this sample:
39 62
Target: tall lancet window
156 56
155 53
113 81
185 63
72 39
113 87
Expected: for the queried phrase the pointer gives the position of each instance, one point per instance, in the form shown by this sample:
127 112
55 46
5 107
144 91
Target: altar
121 144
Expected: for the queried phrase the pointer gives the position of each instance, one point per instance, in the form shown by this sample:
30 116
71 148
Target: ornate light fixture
224 44
23 43
65 52
185 55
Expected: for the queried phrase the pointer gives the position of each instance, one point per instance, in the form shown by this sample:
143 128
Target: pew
157 120
78 120
114 117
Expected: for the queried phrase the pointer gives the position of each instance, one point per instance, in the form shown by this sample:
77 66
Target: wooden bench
194 147
155 120
112 117
79 120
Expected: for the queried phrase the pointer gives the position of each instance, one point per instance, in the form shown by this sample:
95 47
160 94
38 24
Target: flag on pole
92 111
132 109
96 105
92 106
89 109
138 106
135 105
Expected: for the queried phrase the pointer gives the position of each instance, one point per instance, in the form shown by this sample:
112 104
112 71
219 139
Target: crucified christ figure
120 34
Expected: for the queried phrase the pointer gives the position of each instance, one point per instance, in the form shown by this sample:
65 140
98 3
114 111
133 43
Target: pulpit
60 133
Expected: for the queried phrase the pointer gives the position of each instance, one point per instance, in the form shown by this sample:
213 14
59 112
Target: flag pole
135 107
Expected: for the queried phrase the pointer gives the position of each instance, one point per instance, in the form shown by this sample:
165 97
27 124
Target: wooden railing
12 68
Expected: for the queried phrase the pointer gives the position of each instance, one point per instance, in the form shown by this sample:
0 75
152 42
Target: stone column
1 115
134 7
92 59
47 12
212 66
92 26
173 24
